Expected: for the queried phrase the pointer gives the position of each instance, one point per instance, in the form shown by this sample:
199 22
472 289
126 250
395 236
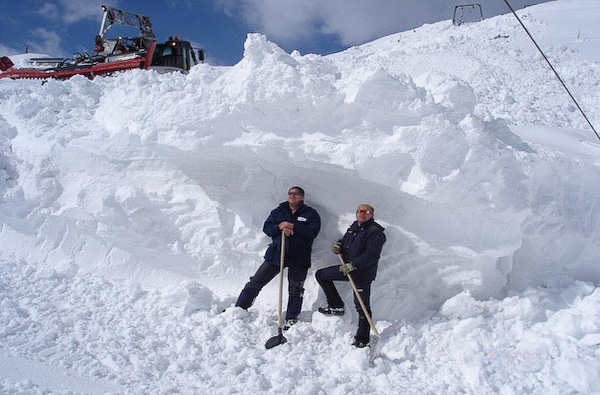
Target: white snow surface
132 206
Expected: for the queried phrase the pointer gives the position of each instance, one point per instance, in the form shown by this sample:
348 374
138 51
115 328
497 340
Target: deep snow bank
166 179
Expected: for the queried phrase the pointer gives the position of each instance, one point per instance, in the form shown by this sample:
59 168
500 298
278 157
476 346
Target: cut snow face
132 209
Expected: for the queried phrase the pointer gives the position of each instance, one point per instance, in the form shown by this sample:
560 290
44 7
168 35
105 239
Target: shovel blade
275 341
375 348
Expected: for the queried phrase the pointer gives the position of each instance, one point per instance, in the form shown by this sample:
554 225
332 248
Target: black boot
362 334
328 310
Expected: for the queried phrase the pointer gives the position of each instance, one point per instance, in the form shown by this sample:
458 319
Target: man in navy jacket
301 224
360 248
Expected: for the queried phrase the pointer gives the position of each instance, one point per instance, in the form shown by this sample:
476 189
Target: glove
347 268
336 247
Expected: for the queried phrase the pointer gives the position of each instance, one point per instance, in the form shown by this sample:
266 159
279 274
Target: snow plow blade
5 63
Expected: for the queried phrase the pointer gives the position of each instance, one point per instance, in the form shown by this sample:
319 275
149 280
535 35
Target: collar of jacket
364 226
287 206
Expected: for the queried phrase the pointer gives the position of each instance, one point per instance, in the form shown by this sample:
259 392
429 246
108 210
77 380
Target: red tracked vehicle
113 55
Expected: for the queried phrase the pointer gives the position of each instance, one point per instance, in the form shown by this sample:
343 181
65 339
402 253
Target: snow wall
165 180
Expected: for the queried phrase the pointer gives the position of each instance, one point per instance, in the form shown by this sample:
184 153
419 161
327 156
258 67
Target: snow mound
147 177
132 206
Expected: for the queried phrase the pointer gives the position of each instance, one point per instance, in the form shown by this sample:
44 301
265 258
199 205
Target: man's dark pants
265 273
326 277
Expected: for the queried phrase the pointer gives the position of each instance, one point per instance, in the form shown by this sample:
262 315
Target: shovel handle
281 265
362 304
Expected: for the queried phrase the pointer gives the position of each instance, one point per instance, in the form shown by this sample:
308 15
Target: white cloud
47 42
285 20
357 21
48 10
353 21
76 10
6 50
71 11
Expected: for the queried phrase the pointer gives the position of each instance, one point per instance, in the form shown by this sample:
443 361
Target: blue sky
63 27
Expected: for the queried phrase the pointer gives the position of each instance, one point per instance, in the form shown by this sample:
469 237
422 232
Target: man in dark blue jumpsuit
301 224
361 248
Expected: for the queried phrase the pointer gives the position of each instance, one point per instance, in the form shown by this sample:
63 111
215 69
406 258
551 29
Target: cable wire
552 67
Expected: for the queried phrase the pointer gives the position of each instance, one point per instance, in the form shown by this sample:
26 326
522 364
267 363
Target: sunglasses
360 211
295 193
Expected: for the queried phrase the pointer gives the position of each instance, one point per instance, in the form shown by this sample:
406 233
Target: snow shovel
375 346
279 338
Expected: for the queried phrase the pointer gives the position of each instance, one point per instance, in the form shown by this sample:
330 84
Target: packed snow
132 207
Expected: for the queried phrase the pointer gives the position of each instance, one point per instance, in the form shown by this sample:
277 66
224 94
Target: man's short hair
299 190
369 206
